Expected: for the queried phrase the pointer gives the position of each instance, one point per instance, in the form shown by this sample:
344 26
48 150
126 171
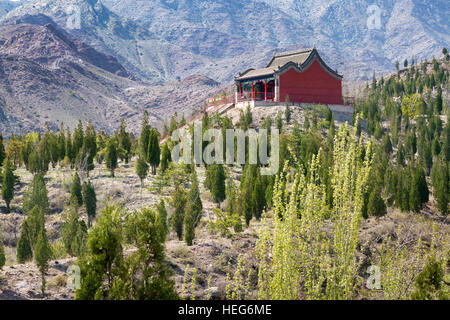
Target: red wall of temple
314 85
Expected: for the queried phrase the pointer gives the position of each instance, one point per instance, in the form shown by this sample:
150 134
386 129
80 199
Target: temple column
253 92
265 90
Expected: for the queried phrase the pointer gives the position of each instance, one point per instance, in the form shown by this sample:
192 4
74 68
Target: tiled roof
301 58
281 59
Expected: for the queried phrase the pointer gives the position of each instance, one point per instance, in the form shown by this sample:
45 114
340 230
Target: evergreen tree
387 145
90 201
440 180
141 169
217 183
2 250
36 195
178 201
430 283
287 111
2 150
279 121
69 151
74 234
111 156
89 148
42 255
144 137
194 209
8 182
154 152
76 198
258 197
78 139
165 158
189 222
124 142
24 249
162 214
61 143
376 206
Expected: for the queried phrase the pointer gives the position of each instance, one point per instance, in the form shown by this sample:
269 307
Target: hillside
47 76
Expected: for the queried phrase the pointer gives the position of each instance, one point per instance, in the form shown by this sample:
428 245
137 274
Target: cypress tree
162 214
440 180
42 255
111 156
141 167
2 149
287 111
90 201
218 183
124 142
194 209
76 198
189 223
61 143
69 153
36 195
165 157
73 234
154 152
258 198
24 250
78 139
90 147
8 182
144 137
178 201
2 250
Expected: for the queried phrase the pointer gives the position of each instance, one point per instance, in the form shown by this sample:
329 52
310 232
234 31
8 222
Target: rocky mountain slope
161 40
46 76
339 29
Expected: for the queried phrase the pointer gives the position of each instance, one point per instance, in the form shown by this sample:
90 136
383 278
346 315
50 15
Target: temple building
300 76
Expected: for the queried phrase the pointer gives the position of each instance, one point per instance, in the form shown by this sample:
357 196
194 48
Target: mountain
8 5
162 40
337 27
48 77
